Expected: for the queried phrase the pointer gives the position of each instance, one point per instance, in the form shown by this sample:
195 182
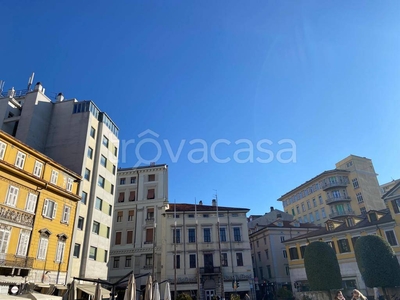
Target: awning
43 285
38 296
10 297
91 288
60 287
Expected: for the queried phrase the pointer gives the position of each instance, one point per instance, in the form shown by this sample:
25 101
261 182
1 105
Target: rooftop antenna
30 80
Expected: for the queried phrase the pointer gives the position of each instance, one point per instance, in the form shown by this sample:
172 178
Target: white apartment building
84 139
140 201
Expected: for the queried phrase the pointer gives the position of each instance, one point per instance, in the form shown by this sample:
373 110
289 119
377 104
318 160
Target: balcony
341 213
337 199
331 185
210 270
12 261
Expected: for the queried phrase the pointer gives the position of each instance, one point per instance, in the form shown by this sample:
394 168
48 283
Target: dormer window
350 222
330 226
372 217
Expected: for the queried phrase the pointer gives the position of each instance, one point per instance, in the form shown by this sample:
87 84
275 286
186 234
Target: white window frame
31 203
395 237
20 160
12 196
3 147
60 251
69 184
23 242
4 240
66 214
42 249
54 176
37 170
49 214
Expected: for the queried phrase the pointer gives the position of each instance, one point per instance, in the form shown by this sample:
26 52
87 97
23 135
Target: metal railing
12 261
337 199
333 184
210 270
341 213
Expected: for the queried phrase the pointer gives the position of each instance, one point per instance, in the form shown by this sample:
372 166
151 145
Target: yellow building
351 188
38 201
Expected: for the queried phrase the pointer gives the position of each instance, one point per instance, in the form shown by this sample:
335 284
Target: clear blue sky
325 74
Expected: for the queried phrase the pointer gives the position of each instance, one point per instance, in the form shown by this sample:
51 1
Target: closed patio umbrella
97 294
130 293
156 292
149 290
167 292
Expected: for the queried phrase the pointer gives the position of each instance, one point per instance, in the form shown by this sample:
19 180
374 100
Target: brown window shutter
150 194
129 237
132 196
149 235
121 197
118 238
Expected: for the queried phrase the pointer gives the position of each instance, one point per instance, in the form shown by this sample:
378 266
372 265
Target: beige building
79 136
386 187
350 189
269 255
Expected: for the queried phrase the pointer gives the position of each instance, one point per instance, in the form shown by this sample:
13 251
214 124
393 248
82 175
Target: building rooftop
143 167
201 208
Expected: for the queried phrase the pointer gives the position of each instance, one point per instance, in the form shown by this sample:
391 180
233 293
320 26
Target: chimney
38 87
201 202
11 93
60 97
214 202
272 208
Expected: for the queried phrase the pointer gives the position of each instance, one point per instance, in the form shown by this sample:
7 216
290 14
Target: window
269 271
314 202
287 270
109 209
303 207
150 194
105 141
49 209
363 210
265 240
150 213
323 213
320 199
355 183
282 238
152 177
359 198
149 236
69 184
149 260
302 251
121 197
267 254
118 238
90 153
43 244
23 242
294 254
105 255
81 222
113 169
96 227
224 259
54 176
66 214
115 151
116 262
112 189
192 261
20 160
207 235
4 238
108 232
133 180
132 196
98 204
129 237
239 259
84 197
391 238
298 209
120 215
103 161
2 150
284 254
128 261
192 235
100 181
37 170
122 181
87 174
308 205
236 234
92 132
396 205
317 215
259 256
176 235
60 251
311 218
257 244
93 253
343 245
177 261
31 203
206 215
77 250
131 214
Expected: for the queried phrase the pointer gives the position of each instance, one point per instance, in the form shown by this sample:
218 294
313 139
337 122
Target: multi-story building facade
206 250
350 189
38 202
269 255
141 198
386 187
84 139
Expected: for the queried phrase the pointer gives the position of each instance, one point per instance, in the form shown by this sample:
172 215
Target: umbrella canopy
72 291
130 293
167 292
149 290
156 292
97 294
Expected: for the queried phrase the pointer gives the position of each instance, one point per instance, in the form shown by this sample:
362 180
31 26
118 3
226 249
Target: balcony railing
210 270
342 213
12 261
338 199
329 185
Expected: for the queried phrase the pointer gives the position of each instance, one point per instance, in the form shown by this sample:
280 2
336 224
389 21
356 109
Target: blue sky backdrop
324 74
